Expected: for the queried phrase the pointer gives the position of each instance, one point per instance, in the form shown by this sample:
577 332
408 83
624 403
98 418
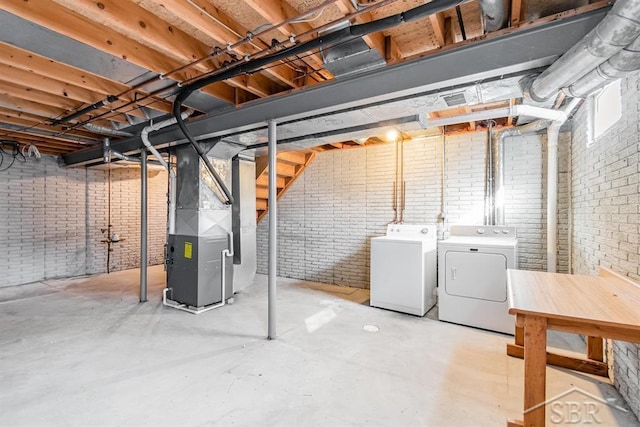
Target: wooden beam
276 11
35 95
438 26
592 367
61 20
146 29
202 18
34 63
37 124
516 10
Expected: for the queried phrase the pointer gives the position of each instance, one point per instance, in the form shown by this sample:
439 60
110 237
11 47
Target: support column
143 226
273 237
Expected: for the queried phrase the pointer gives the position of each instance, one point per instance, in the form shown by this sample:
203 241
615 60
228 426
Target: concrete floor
85 352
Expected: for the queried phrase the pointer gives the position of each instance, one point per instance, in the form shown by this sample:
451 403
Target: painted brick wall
344 198
50 220
606 216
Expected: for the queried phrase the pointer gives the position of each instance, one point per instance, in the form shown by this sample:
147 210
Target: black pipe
339 36
99 104
461 23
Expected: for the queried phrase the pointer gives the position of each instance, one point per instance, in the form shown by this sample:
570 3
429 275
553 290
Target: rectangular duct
351 57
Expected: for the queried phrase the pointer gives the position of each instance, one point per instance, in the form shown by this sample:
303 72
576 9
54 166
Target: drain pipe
144 135
553 131
618 29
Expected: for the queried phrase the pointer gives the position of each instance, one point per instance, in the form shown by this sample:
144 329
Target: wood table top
608 299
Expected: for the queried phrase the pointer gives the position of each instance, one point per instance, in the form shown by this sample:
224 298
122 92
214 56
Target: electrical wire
15 153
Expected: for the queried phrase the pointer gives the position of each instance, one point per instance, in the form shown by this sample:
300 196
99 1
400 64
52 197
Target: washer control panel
422 231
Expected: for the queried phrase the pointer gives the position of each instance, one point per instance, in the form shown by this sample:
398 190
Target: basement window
607 109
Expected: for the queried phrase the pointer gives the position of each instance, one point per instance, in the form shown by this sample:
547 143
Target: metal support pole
273 237
143 226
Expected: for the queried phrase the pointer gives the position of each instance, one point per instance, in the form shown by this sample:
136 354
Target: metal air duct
620 27
618 66
495 14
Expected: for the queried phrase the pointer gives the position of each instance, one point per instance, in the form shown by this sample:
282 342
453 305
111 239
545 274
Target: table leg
595 348
535 363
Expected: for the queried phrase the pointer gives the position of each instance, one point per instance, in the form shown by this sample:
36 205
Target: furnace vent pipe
620 27
144 135
618 66
495 14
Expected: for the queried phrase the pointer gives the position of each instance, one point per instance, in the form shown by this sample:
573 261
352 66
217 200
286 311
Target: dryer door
476 275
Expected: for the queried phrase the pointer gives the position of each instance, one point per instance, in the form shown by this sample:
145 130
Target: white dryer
472 276
403 268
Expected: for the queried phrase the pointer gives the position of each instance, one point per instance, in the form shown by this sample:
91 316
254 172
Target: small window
607 108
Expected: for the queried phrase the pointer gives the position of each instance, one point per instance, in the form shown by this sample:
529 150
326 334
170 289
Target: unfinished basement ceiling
58 57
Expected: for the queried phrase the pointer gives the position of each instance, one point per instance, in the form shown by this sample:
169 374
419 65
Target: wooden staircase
289 166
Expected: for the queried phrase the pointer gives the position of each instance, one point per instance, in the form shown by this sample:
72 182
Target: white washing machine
472 276
404 269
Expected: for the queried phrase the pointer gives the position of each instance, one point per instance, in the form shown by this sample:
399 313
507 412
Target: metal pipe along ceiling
618 29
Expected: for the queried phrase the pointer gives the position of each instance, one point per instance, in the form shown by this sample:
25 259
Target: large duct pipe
619 65
620 27
144 136
495 14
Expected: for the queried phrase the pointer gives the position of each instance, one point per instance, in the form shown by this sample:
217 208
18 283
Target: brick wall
606 216
50 220
344 198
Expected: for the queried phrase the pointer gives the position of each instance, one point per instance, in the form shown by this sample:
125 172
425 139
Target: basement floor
85 352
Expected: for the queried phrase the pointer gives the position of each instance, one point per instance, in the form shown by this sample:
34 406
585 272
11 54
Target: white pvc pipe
553 132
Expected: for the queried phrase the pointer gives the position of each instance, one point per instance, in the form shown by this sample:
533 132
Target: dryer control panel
492 231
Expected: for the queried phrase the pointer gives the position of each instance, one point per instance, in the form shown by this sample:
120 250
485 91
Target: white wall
606 214
50 220
327 218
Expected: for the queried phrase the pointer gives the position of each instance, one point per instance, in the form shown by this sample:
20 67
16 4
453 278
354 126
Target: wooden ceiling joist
59 19
277 11
204 21
45 67
146 29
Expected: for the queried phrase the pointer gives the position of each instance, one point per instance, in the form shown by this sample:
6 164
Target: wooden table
604 306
